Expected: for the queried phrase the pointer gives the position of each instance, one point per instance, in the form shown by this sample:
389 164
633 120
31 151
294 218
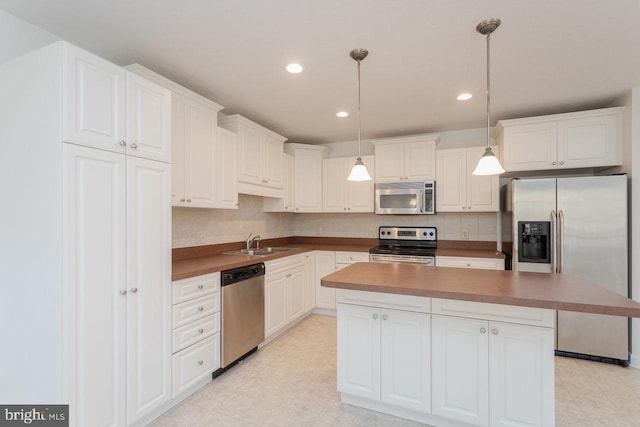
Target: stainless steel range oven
409 245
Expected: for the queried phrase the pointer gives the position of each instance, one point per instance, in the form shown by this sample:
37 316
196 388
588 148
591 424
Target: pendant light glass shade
359 171
489 163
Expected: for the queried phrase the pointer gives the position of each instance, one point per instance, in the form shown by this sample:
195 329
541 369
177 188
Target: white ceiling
548 56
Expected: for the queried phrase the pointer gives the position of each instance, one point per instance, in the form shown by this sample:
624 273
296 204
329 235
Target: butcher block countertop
199 260
541 290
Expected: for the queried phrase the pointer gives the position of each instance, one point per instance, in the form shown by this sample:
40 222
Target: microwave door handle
421 193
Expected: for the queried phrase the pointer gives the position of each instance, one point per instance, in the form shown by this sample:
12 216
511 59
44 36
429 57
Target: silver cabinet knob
134 145
385 317
297 209
200 308
200 362
375 315
188 200
201 330
483 330
201 286
288 275
468 265
494 331
182 199
123 292
123 143
554 163
134 290
562 163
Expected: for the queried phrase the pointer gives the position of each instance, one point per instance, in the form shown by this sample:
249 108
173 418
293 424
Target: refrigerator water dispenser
534 239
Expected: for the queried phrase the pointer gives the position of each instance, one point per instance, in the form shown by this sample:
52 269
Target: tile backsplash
192 226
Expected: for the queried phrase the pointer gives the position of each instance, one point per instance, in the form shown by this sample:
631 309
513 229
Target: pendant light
359 170
489 163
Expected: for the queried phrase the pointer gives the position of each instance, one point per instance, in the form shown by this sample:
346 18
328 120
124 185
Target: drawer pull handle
200 362
494 331
201 330
200 308
483 330
200 286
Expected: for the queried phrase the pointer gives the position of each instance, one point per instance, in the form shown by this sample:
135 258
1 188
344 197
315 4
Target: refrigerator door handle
561 240
553 245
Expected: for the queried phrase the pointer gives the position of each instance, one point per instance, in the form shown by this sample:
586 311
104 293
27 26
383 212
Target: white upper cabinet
286 202
406 159
562 141
203 156
307 176
105 107
260 157
340 195
457 189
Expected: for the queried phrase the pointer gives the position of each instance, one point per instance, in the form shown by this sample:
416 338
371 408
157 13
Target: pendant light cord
359 118
488 91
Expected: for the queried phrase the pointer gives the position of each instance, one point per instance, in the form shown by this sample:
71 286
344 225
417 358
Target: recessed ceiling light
464 96
294 68
342 114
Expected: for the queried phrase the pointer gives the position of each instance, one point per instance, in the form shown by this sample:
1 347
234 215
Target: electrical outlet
199 236
465 234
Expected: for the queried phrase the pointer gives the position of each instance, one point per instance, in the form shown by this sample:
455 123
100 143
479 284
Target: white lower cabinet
309 281
384 354
284 284
470 262
325 264
196 330
490 373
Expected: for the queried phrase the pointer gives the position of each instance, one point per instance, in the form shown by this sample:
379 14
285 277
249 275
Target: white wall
18 37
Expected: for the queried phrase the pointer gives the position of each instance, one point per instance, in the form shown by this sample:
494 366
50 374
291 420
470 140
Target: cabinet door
250 155
226 173
94 194
360 194
459 361
483 192
288 183
589 142
334 185
522 375
94 101
148 119
389 165
295 294
325 264
272 166
530 147
200 167
307 181
309 281
405 359
149 286
275 303
359 351
419 161
178 150
451 192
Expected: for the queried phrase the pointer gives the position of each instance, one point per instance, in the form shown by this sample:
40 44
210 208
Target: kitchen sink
259 252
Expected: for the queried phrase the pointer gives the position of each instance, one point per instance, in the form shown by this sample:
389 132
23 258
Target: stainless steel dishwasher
242 313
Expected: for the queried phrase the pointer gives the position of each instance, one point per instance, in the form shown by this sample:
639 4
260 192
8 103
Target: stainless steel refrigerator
576 226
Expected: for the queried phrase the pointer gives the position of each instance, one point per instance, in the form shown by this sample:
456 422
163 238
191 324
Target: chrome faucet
251 239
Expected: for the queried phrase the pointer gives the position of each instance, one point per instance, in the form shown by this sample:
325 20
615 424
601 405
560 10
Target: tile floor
292 382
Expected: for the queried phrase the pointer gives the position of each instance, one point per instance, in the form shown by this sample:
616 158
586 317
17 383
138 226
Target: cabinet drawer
378 299
194 287
497 312
195 363
351 257
196 331
284 264
187 312
469 262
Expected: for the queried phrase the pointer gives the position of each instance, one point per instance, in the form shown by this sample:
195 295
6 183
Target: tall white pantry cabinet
85 270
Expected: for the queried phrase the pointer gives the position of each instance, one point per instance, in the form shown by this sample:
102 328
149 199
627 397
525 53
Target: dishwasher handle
239 274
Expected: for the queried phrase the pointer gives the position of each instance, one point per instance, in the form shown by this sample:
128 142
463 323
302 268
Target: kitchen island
456 347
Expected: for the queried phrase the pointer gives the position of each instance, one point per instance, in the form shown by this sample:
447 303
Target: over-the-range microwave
406 198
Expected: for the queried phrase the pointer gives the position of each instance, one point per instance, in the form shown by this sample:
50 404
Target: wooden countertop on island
541 290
